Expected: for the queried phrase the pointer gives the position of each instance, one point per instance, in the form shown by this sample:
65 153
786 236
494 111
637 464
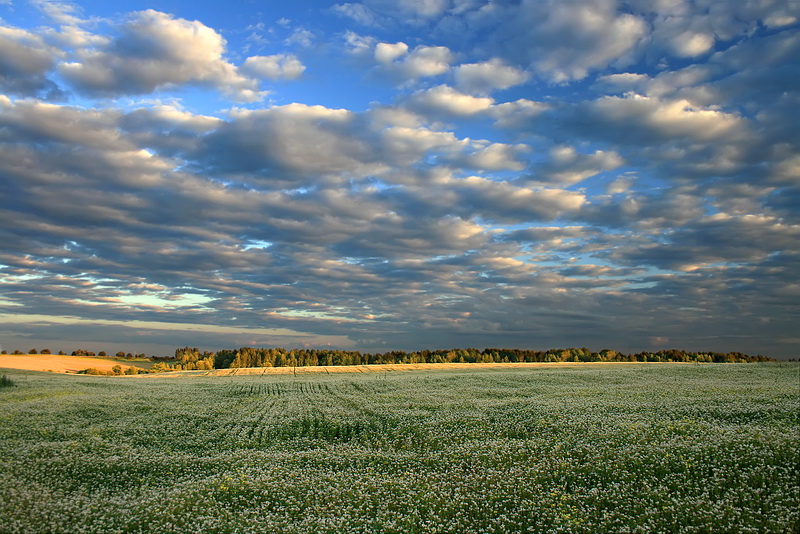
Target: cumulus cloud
297 143
155 50
559 41
483 78
567 166
289 139
445 100
25 60
388 52
422 61
634 118
498 157
277 66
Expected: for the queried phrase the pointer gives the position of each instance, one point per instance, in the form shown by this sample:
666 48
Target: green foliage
190 358
6 382
117 370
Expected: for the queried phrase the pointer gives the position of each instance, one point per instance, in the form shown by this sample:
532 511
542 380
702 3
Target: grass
6 382
633 448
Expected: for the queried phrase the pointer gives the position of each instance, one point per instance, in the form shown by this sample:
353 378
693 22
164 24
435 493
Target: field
65 364
559 448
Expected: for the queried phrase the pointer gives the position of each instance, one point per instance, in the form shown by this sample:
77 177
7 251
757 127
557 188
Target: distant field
74 364
65 364
390 368
578 448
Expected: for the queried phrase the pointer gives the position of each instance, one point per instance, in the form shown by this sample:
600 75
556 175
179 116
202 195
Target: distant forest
187 358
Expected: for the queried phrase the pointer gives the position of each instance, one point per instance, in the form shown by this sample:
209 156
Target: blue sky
385 175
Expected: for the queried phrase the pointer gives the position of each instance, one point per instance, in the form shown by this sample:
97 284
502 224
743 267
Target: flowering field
618 448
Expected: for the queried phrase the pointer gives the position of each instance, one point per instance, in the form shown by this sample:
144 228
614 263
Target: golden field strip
63 364
74 364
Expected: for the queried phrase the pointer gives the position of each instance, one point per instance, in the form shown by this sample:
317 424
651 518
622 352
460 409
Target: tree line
188 358
83 352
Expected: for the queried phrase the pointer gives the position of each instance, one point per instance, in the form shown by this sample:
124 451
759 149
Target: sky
384 175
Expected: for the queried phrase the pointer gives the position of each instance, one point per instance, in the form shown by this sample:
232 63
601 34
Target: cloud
155 51
381 12
483 78
566 166
637 119
358 44
301 37
444 100
718 239
535 174
25 61
359 13
483 198
575 39
62 12
277 66
387 52
497 157
295 143
422 61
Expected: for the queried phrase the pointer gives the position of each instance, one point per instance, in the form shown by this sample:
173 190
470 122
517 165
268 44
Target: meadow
555 448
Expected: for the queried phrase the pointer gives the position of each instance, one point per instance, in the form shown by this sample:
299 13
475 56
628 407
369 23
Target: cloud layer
403 175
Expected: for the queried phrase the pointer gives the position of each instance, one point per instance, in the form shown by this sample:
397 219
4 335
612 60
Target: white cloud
357 12
669 118
387 52
358 44
578 38
501 201
422 61
622 184
274 67
690 44
25 60
497 157
519 114
567 166
63 12
301 37
292 140
427 61
622 82
482 78
154 50
404 145
379 12
443 99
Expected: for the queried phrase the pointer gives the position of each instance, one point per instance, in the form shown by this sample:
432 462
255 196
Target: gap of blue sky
386 175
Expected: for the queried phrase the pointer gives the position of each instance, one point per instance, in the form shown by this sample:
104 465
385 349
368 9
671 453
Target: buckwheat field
571 448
